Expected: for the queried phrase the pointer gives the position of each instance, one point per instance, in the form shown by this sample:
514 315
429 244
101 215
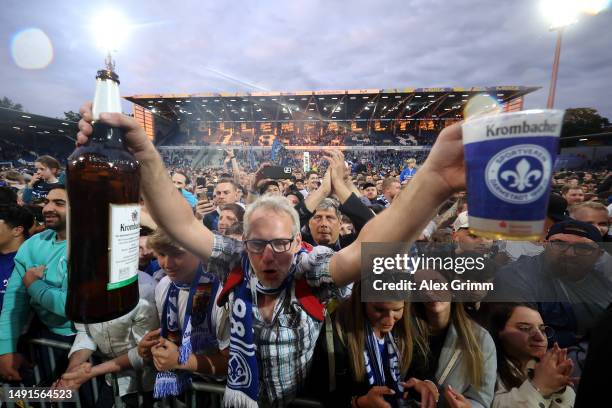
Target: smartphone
201 181
277 172
210 192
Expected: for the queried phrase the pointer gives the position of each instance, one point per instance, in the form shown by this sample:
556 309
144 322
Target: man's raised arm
442 174
165 203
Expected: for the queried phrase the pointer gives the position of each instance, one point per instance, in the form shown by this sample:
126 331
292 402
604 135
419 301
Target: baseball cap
366 185
578 228
461 221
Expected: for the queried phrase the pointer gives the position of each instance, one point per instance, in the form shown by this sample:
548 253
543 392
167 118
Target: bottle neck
109 136
106 99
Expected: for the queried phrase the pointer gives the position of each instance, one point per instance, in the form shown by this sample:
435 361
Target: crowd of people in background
255 283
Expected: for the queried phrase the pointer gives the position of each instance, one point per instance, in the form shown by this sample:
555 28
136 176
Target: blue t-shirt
38 192
7 263
191 199
152 267
407 173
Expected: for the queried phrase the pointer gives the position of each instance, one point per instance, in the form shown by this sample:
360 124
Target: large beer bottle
103 181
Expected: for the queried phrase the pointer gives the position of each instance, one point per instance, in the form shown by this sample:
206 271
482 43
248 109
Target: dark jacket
211 220
531 280
595 375
335 386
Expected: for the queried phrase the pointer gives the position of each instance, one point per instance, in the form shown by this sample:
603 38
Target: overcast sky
188 46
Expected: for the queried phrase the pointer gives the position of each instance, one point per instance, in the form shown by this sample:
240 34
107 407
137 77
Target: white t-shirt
219 318
146 286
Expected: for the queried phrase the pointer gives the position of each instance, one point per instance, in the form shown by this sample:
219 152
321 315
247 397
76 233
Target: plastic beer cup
509 161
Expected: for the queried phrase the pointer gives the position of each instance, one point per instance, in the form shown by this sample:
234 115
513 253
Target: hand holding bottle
137 140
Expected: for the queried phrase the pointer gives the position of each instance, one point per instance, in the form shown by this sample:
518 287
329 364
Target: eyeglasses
545 331
278 245
579 249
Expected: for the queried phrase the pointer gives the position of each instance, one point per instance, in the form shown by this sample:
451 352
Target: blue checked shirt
286 345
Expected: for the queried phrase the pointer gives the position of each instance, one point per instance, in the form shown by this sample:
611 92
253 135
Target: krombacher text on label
103 181
524 127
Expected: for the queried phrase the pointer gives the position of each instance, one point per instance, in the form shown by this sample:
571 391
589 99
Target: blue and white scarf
242 387
383 200
197 334
375 366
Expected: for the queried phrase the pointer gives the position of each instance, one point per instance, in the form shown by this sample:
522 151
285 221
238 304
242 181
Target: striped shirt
285 346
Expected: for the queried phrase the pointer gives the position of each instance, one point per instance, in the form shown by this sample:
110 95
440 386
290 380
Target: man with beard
38 282
180 181
567 283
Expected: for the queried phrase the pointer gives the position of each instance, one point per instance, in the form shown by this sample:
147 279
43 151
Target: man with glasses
277 288
567 283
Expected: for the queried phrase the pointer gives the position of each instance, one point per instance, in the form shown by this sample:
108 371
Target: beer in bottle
102 180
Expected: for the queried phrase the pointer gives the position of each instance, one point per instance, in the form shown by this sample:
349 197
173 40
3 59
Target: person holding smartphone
207 208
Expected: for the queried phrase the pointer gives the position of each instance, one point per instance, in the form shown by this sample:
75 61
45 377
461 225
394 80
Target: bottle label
124 238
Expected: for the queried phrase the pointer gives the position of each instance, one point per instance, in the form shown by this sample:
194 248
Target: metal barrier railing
215 391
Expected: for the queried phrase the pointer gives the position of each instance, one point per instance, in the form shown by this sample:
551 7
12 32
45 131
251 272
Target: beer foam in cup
509 162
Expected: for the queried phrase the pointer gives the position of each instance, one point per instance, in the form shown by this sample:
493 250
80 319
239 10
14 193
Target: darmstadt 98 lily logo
519 174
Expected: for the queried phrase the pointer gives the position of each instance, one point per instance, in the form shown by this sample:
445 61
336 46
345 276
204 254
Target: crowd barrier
198 388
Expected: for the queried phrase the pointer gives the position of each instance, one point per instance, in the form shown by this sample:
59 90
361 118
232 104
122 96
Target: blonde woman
460 353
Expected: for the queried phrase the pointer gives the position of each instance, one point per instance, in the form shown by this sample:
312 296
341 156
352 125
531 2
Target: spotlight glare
560 13
110 28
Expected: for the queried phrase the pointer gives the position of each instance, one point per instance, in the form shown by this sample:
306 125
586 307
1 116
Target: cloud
192 46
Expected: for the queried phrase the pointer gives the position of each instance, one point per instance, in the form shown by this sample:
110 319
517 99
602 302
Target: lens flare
32 49
481 105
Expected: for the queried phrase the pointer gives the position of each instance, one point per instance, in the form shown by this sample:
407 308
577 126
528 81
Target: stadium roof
36 134
327 105
18 124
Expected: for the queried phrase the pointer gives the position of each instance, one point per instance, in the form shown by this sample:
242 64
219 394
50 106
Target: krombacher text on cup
103 181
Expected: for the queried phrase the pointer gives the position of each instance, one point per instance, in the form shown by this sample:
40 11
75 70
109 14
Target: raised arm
442 173
231 157
165 203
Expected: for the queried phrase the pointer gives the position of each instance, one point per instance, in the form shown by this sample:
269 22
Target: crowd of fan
256 282
312 137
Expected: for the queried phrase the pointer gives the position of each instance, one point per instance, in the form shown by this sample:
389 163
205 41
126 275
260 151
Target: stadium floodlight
110 29
562 13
